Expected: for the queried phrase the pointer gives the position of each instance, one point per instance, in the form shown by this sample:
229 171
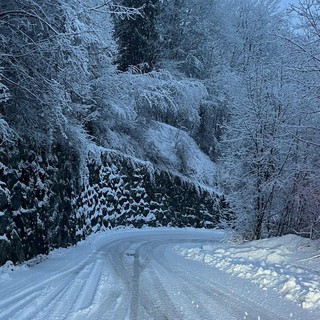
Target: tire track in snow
135 287
132 269
118 298
164 304
35 289
101 284
87 295
26 304
160 298
192 305
156 300
212 292
53 297
69 300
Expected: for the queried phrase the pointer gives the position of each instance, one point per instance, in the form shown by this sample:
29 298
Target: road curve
159 284
136 275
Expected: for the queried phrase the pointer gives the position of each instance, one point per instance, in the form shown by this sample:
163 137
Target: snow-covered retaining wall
36 201
46 203
121 192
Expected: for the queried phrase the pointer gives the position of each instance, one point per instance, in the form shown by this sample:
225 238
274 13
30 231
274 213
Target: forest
111 111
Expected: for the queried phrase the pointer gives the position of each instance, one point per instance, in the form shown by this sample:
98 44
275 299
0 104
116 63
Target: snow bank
289 265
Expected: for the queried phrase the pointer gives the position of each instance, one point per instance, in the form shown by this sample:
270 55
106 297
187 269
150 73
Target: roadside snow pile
289 264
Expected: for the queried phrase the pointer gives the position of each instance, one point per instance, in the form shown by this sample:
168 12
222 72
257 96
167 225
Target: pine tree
170 25
136 36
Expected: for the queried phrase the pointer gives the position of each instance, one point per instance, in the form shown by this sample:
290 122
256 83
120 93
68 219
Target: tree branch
23 13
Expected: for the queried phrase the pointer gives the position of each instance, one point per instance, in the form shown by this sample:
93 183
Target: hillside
168 113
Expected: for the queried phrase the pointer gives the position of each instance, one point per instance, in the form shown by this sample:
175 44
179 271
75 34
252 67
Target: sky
286 3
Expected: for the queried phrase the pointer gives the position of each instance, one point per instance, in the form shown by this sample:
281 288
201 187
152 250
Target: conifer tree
136 37
171 25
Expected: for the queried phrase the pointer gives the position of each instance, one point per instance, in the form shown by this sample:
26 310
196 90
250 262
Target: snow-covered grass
289 265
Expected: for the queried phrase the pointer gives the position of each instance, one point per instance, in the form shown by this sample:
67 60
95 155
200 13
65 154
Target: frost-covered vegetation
182 85
64 102
57 61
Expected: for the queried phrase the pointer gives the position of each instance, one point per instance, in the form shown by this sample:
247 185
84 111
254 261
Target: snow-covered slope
289 265
155 118
174 150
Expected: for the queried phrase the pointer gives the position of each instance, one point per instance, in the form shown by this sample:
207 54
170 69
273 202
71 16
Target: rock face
50 201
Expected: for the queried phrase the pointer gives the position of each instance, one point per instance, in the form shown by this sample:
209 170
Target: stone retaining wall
46 202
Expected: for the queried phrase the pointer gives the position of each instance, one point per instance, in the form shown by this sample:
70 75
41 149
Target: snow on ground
289 265
175 148
138 275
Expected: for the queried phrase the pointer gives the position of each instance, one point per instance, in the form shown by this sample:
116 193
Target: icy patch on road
289 265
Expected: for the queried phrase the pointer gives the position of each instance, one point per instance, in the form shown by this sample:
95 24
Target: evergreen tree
170 25
137 37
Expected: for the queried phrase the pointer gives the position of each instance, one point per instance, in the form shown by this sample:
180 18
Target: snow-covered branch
117 10
23 13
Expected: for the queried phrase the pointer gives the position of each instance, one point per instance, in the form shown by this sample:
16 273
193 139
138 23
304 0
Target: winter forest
105 104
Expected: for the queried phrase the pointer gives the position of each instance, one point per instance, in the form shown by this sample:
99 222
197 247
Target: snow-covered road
136 274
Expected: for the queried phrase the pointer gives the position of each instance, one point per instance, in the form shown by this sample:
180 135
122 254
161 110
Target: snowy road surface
136 275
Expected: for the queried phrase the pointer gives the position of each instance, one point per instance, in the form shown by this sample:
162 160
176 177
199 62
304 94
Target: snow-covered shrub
4 91
174 150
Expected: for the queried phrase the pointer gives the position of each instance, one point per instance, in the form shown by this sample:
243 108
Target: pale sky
285 3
